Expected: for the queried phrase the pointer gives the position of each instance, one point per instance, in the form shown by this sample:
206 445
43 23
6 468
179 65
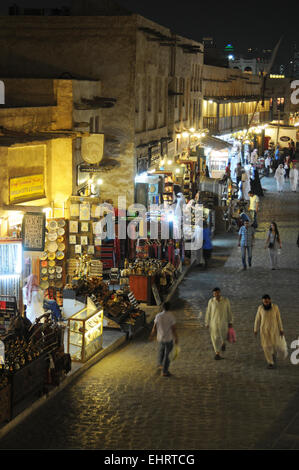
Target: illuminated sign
26 188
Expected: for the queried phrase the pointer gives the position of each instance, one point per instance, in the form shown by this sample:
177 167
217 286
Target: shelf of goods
53 260
85 330
8 309
24 374
145 274
118 310
122 311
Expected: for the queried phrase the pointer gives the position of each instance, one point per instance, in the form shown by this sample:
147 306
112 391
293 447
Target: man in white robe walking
293 176
279 176
269 323
218 319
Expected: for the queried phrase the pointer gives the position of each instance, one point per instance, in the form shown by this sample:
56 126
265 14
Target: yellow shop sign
26 188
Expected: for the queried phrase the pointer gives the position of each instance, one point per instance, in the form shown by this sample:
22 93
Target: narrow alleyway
122 403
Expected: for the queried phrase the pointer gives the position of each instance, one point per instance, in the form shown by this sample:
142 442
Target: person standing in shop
246 239
268 322
218 319
267 164
238 174
277 156
33 298
253 207
207 245
165 329
273 243
293 176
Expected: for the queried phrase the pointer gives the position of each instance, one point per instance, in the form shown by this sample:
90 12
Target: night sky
256 24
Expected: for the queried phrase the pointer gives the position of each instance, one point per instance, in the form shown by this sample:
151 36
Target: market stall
32 360
104 307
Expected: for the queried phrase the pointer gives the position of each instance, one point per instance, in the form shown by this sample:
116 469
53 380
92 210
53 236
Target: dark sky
257 24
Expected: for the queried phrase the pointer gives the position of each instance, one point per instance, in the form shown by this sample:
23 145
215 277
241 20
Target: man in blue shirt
246 238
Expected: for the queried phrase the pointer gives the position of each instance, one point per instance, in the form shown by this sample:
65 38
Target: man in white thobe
279 176
218 319
269 323
293 175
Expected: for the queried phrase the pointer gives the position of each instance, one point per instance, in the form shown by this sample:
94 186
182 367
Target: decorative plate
51 270
44 264
52 236
61 223
59 255
58 269
60 240
58 276
44 284
44 256
61 246
52 263
61 232
52 247
44 271
51 256
52 225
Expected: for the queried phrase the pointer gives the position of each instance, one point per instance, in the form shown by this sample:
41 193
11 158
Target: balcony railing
230 124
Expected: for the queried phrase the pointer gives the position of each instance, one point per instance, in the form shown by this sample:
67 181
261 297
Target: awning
215 143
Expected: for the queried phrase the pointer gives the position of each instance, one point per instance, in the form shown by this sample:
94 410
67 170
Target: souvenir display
52 260
84 240
73 226
74 210
84 211
90 249
84 227
72 239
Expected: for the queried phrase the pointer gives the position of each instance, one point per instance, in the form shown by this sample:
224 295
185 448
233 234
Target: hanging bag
282 348
231 335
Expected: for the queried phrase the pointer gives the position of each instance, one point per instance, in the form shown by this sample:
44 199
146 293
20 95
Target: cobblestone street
123 403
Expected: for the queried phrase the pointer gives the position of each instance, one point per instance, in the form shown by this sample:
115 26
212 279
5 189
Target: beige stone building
156 97
149 77
39 125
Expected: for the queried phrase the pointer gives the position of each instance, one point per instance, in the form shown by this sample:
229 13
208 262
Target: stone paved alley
122 403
